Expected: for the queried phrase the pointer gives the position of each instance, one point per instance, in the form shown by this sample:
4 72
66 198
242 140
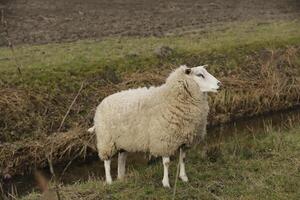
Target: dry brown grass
28 155
266 81
269 81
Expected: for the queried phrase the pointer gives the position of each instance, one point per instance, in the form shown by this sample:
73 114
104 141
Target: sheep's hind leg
166 163
182 173
121 164
107 171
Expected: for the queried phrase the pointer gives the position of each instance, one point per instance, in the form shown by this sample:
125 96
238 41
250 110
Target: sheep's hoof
108 182
166 184
121 178
184 178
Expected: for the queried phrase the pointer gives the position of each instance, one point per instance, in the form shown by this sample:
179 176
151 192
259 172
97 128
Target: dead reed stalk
70 107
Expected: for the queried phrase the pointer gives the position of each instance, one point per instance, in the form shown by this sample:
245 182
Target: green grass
265 167
52 74
67 63
241 167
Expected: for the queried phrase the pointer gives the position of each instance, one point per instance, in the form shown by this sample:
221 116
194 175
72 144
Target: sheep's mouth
218 88
215 90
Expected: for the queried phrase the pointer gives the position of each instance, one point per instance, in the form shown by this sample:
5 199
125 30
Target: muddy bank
42 21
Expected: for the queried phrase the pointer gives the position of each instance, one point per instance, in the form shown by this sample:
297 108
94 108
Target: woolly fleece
157 120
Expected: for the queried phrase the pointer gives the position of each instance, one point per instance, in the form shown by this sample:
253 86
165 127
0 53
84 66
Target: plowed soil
45 21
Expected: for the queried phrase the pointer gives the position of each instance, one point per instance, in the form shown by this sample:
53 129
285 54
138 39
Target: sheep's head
205 81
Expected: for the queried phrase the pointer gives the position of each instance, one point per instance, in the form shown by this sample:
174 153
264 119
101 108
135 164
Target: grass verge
260 166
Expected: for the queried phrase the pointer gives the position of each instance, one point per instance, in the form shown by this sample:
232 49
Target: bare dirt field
44 21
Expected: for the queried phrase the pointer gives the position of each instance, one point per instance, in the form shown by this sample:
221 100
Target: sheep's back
124 118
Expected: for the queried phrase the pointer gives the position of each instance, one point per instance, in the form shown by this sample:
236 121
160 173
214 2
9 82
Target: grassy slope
266 168
52 74
262 167
65 63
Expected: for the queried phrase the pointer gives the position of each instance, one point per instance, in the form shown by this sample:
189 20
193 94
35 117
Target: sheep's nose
219 84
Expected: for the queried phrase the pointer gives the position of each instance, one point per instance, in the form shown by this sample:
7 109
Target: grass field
238 54
259 64
61 63
259 166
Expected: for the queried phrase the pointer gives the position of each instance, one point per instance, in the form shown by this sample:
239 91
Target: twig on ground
8 194
69 109
2 193
49 157
53 175
67 166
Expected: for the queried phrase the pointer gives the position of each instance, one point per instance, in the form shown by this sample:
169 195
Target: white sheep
159 120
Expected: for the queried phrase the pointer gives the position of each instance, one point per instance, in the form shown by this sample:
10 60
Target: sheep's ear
187 71
204 66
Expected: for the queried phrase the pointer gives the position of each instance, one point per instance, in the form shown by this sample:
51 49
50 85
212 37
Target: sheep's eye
201 75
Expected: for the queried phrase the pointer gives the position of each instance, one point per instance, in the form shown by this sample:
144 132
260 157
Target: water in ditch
93 167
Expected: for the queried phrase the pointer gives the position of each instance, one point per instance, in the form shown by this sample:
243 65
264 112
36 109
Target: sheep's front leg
121 164
182 173
166 163
107 171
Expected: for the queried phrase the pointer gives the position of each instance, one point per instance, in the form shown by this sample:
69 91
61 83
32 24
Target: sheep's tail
92 129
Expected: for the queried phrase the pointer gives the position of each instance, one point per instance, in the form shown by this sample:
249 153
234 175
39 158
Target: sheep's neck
180 95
